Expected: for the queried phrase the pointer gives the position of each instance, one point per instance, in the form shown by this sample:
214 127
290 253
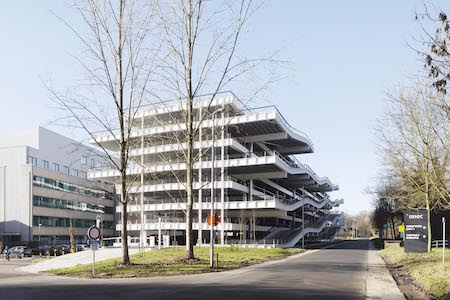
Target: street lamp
40 234
303 223
212 219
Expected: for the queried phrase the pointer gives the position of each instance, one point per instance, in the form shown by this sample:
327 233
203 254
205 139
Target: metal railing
439 243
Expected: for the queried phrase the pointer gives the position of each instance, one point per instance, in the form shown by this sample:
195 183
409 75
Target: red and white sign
93 233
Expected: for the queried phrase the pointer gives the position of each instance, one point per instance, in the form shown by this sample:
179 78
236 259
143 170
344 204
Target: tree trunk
123 141
190 181
429 226
124 234
427 200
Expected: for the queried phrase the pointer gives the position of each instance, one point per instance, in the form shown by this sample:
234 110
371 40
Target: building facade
262 193
44 189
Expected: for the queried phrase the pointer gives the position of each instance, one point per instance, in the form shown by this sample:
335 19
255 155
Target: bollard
217 260
54 251
48 255
40 256
62 251
32 259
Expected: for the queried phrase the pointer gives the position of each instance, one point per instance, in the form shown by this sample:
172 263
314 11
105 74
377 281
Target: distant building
44 188
262 192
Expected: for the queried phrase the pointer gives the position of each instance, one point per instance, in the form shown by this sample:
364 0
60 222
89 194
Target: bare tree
244 218
436 39
118 61
71 236
201 41
415 150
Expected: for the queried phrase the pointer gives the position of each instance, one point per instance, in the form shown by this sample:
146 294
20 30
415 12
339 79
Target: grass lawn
426 268
168 262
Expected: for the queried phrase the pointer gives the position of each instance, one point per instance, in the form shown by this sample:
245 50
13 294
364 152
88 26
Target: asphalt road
338 272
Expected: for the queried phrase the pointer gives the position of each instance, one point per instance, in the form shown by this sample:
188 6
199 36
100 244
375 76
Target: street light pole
303 223
212 219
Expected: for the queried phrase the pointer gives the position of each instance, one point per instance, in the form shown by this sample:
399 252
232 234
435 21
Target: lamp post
40 234
303 223
212 219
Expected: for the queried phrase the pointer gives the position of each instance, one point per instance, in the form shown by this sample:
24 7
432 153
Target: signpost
93 234
416 233
443 240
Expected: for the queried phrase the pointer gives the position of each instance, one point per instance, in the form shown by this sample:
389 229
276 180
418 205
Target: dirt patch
412 289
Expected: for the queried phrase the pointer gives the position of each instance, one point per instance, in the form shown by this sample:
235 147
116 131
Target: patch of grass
426 268
167 262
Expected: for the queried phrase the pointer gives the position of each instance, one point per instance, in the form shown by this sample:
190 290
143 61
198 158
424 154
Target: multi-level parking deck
259 182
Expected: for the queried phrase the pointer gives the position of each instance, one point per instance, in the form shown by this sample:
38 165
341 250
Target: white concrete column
3 199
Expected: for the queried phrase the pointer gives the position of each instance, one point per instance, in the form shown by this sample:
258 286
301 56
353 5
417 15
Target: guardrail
439 243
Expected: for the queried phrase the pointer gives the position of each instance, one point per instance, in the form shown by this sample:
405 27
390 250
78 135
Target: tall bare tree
201 41
436 38
415 149
118 60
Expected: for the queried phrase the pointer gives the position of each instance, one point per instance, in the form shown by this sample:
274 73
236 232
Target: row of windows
59 239
56 167
65 222
70 187
71 205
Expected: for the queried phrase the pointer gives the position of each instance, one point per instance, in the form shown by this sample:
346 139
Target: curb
380 284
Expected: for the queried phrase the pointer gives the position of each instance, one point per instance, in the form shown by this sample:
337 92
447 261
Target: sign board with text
416 231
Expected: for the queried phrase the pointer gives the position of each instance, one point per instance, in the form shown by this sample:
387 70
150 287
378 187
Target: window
56 167
45 164
83 175
84 160
70 187
75 172
92 163
71 205
66 170
32 160
63 222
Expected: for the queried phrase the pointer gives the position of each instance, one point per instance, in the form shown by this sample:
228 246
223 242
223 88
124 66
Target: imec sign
416 231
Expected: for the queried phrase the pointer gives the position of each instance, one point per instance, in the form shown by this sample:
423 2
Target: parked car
81 247
18 250
42 250
60 249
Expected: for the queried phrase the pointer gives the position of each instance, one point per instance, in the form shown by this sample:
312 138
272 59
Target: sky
344 55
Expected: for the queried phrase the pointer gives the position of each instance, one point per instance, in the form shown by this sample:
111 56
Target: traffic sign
93 242
216 219
93 233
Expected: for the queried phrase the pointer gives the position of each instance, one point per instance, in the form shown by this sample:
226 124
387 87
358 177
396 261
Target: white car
82 247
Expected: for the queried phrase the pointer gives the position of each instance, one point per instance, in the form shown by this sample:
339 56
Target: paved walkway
342 271
70 260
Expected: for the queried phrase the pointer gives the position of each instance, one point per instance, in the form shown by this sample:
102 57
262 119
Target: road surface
339 272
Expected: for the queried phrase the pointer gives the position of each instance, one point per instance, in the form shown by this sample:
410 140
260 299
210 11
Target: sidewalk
380 284
70 260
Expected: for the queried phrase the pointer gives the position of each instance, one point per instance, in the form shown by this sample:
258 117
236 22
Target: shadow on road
173 291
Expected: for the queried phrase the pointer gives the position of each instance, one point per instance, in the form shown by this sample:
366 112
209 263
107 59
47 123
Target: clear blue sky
345 55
